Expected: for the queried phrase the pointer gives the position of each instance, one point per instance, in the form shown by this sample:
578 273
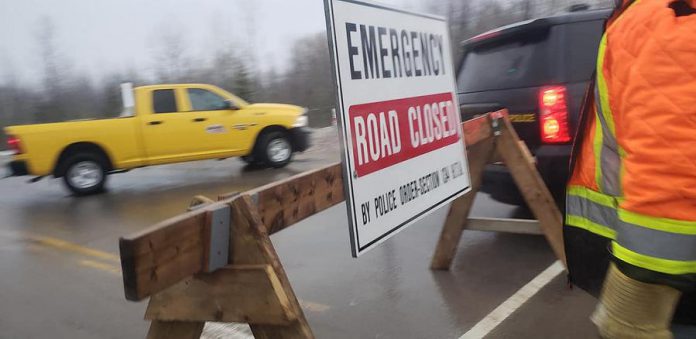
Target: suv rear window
518 61
581 49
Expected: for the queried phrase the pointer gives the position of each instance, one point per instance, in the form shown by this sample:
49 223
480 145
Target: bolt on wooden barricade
217 262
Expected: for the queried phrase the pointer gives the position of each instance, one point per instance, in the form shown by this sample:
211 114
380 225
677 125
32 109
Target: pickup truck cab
165 124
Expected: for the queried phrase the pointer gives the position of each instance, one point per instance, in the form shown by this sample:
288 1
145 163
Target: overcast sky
111 35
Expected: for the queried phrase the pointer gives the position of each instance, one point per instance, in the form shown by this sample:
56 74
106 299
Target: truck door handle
154 122
199 119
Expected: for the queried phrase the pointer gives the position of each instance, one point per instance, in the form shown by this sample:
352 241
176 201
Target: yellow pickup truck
161 124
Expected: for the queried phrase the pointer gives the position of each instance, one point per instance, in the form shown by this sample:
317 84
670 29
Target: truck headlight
301 121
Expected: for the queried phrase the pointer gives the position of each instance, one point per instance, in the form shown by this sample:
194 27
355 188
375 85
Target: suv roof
566 18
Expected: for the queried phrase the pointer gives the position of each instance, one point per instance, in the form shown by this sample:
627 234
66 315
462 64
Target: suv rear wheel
85 174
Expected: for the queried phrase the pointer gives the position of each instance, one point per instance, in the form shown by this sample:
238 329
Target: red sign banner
386 133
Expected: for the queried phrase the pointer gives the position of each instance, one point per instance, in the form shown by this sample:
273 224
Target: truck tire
275 149
85 174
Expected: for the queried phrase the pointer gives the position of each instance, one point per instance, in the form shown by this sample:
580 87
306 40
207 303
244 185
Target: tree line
66 93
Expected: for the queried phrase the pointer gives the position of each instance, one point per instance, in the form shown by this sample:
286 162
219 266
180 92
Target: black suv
539 70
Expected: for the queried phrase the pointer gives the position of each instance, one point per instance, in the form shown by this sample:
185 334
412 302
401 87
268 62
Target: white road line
504 310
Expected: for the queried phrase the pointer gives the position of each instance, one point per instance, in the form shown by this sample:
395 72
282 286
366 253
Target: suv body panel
509 66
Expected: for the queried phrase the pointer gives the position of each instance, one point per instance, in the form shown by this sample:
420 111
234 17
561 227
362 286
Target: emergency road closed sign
403 150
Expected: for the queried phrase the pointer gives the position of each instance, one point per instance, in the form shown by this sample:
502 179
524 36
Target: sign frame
350 173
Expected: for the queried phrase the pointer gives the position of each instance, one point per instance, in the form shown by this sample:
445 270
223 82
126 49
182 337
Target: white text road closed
403 151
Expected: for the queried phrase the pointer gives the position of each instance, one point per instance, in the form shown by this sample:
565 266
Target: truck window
205 100
164 101
516 62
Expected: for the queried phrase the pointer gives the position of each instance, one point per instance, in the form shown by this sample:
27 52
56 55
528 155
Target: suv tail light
553 115
14 144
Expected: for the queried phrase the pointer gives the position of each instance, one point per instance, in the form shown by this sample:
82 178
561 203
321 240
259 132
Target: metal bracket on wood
255 198
495 118
218 256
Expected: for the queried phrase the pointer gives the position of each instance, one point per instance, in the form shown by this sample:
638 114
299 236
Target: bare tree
308 80
231 63
55 70
169 55
247 69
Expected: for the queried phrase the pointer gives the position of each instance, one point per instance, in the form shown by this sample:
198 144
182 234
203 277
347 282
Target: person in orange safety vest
631 199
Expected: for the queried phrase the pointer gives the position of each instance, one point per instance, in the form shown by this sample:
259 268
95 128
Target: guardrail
217 262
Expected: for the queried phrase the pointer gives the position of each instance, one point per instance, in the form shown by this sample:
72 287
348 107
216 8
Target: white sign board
403 150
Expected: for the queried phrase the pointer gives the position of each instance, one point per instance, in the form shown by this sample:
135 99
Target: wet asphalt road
60 276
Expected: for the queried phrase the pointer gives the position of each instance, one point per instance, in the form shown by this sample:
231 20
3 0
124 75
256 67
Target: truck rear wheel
275 149
85 174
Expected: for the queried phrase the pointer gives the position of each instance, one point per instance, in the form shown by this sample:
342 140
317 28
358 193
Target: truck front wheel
85 174
275 149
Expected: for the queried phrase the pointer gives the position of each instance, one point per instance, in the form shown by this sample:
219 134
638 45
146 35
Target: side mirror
231 105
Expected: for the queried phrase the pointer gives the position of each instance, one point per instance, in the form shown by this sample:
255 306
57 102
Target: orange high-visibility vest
634 174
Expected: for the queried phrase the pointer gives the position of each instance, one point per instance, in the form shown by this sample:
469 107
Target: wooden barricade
217 263
490 138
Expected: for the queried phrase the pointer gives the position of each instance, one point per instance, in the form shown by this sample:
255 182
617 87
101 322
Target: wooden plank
285 203
246 216
476 130
175 330
521 226
527 153
243 293
456 222
162 255
166 253
532 187
228 196
249 245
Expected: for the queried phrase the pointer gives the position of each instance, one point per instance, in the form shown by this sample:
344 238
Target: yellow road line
70 247
86 251
101 266
114 269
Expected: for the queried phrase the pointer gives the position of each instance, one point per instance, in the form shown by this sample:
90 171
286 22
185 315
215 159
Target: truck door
173 132
216 120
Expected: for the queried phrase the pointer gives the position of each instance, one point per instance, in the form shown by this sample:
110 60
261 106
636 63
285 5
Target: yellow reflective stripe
586 224
660 224
597 150
602 86
652 263
597 197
